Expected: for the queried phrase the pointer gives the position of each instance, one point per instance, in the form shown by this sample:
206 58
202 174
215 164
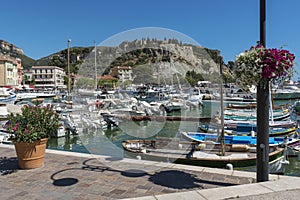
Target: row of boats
231 145
206 147
12 102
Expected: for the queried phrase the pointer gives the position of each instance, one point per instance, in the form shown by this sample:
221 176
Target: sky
43 27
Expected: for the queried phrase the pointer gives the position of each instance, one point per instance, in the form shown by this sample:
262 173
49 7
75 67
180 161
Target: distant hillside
11 50
60 59
145 55
27 62
185 58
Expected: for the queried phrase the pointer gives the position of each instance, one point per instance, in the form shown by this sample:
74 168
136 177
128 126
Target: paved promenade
68 175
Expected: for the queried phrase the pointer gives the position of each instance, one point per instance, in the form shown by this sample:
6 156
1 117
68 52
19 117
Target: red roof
107 78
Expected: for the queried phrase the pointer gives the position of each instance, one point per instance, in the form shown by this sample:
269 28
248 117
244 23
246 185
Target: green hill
146 52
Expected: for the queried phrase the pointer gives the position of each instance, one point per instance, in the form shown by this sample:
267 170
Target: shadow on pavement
8 165
175 179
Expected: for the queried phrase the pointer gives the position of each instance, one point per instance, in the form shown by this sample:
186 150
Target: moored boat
236 139
4 137
276 117
174 105
7 96
286 93
148 150
248 128
3 111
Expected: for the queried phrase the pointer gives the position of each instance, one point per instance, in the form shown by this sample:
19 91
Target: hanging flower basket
259 65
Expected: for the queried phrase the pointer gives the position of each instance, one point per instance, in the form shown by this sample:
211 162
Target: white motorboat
3 111
7 96
286 93
4 137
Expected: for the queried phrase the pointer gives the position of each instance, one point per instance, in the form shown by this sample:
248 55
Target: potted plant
30 131
260 65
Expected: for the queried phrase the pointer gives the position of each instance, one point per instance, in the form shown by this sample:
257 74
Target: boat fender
252 133
201 146
229 166
139 157
239 148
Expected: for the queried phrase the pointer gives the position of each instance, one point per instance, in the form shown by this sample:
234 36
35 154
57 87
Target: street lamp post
263 107
69 81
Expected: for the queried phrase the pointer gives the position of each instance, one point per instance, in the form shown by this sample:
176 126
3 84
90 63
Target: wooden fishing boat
249 129
198 156
252 106
237 139
292 143
242 106
243 116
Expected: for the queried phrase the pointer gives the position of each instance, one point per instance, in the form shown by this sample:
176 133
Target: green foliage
227 78
27 62
85 83
192 77
33 80
215 55
77 55
33 124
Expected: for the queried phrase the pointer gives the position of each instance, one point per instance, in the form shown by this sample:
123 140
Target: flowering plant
34 123
261 64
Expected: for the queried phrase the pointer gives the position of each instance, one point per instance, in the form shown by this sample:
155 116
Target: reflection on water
72 143
293 169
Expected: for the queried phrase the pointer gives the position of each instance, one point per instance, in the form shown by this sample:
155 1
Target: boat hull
206 160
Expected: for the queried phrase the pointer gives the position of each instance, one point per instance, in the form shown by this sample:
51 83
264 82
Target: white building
48 77
124 73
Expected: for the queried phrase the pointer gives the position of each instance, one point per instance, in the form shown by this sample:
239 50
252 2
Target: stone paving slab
68 175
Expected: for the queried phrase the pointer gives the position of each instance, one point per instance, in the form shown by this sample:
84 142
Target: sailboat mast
69 76
96 84
222 110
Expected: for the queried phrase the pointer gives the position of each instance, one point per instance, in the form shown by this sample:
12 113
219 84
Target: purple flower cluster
275 62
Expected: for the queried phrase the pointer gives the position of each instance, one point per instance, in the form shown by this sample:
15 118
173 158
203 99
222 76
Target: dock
165 118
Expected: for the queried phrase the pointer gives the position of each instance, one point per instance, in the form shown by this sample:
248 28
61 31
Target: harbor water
108 141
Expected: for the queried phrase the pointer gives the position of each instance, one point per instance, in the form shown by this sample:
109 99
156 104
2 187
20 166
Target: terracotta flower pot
31 155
